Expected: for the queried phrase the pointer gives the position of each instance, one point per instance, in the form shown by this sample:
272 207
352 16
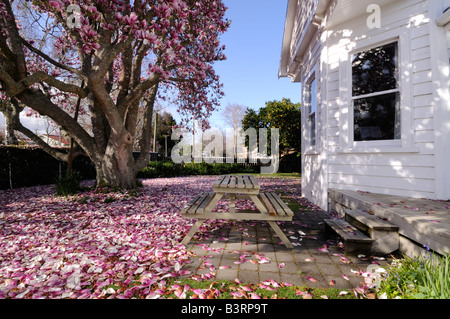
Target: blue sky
253 49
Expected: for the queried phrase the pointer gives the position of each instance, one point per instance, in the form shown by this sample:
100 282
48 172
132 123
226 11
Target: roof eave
289 64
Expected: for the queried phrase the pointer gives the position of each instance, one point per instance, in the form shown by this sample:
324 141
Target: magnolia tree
109 58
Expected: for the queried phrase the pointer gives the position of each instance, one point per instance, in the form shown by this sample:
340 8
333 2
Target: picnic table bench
271 207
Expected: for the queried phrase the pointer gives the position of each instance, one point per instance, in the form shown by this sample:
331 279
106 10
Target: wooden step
354 240
385 236
367 222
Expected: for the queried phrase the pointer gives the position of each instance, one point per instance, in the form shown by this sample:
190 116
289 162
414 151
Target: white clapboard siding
408 184
381 159
399 171
408 170
414 172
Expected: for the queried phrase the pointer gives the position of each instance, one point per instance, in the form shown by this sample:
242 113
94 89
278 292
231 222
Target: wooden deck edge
438 239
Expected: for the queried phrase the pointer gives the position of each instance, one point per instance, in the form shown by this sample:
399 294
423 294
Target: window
376 94
311 107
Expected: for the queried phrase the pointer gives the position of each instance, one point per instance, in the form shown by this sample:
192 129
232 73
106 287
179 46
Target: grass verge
224 289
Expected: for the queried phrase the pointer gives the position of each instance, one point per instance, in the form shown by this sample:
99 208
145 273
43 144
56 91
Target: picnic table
271 207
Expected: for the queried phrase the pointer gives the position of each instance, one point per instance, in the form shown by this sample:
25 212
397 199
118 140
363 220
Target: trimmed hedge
23 166
170 169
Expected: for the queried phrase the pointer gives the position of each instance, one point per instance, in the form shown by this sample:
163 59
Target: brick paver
234 252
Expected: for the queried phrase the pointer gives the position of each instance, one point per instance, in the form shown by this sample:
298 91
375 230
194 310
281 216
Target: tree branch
139 90
49 59
11 87
44 106
16 88
19 127
144 143
106 55
13 36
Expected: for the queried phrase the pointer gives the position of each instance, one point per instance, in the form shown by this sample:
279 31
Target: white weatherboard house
375 86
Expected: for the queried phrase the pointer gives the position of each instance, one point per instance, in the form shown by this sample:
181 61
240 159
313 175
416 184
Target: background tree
233 114
164 128
109 54
284 115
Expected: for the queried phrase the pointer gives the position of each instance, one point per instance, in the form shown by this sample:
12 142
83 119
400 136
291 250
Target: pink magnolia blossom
168 48
57 5
131 19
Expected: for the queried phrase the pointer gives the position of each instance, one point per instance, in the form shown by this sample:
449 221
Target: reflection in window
311 104
376 94
377 118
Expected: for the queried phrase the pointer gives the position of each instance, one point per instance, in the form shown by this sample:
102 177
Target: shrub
422 277
68 183
160 169
171 169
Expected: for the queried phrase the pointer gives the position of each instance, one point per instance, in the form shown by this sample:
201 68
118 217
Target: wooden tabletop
236 184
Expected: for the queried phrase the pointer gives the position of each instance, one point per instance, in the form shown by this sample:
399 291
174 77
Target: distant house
55 140
376 102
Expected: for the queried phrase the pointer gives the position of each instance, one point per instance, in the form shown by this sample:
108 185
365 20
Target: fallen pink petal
113 244
324 249
246 288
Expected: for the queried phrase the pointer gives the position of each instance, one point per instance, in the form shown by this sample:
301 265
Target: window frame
311 116
346 118
395 141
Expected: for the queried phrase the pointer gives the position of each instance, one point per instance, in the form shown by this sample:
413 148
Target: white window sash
366 96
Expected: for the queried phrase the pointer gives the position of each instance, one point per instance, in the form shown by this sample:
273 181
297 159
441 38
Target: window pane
377 118
375 70
313 101
312 120
312 108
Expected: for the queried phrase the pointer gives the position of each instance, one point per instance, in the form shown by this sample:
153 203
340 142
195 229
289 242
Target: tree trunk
116 167
10 137
11 116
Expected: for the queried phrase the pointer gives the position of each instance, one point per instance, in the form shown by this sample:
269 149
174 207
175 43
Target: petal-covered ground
116 244
98 244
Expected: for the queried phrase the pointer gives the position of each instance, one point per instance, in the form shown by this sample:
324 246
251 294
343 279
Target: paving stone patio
305 265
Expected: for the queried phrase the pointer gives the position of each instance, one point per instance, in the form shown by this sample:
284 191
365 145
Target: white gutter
291 11
444 19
